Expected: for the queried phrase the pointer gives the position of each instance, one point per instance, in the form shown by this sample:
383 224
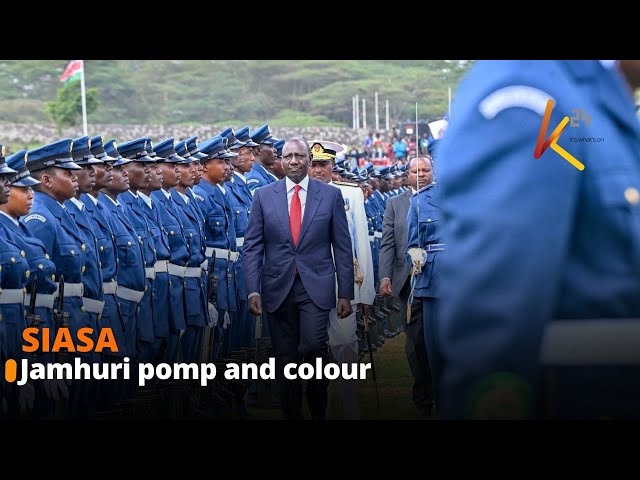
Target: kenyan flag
73 71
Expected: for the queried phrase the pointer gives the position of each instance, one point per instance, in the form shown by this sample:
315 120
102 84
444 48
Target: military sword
365 314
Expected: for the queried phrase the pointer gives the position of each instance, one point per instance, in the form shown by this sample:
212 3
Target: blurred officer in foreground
540 314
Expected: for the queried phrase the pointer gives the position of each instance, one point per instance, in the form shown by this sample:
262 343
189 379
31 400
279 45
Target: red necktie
295 215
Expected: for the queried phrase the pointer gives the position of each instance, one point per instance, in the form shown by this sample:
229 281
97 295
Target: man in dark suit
294 226
394 276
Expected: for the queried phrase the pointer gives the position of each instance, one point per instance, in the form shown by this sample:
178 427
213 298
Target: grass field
394 386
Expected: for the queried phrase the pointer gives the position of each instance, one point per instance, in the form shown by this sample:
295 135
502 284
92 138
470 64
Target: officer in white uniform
342 332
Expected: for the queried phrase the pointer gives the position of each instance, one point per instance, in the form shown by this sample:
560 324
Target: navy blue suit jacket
271 258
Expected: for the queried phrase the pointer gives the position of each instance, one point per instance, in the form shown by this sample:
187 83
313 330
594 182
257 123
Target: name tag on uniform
34 216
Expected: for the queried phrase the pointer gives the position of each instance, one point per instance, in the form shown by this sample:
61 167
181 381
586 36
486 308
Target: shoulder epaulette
348 184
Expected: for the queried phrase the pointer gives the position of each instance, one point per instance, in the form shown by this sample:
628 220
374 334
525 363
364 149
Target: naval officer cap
192 147
324 150
56 154
22 178
262 135
4 169
111 147
135 150
166 149
98 151
242 134
233 142
81 152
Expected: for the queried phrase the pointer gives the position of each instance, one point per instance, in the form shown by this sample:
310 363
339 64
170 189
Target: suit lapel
310 208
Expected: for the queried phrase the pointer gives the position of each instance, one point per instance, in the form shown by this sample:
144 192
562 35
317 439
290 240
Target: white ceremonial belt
150 272
239 241
45 300
129 294
377 234
222 253
192 271
73 290
176 270
598 341
161 266
12 295
205 265
371 238
109 288
91 305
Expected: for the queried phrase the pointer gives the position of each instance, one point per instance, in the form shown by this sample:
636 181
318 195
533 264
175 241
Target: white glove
418 256
55 388
227 320
26 397
213 315
181 333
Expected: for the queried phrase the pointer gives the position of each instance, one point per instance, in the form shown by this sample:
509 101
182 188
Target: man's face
384 185
170 175
373 182
187 174
120 181
216 170
86 178
244 161
104 175
321 170
396 182
420 172
5 190
155 182
266 153
62 183
229 166
198 169
139 174
295 160
277 169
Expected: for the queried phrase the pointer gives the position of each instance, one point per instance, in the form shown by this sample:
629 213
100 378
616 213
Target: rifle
212 297
33 320
62 317
365 314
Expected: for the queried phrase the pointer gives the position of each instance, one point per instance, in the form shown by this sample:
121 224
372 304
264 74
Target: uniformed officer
14 274
220 234
160 284
49 220
264 154
101 221
130 274
343 340
277 169
194 291
542 311
92 301
139 174
172 223
240 198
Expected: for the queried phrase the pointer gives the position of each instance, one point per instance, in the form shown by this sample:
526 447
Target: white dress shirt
77 203
302 193
146 200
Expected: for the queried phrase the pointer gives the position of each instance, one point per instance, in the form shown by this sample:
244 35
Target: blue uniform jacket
534 242
258 177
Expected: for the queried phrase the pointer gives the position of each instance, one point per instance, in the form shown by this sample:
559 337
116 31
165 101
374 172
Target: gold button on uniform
129 243
27 273
46 255
83 268
73 252
632 195
22 254
83 308
83 247
13 260
101 248
40 266
53 277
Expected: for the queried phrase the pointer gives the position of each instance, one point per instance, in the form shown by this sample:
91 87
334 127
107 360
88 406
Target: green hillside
293 93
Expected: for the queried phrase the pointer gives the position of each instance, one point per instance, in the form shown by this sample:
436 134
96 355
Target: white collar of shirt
413 191
134 194
62 205
146 199
304 183
10 218
242 177
166 193
608 63
93 199
222 188
115 202
77 203
276 178
184 197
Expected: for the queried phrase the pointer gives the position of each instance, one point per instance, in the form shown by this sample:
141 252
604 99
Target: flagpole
84 101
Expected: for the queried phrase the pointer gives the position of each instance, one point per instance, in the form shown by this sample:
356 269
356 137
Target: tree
66 110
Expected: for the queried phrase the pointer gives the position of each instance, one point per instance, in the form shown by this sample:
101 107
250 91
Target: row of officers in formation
147 240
